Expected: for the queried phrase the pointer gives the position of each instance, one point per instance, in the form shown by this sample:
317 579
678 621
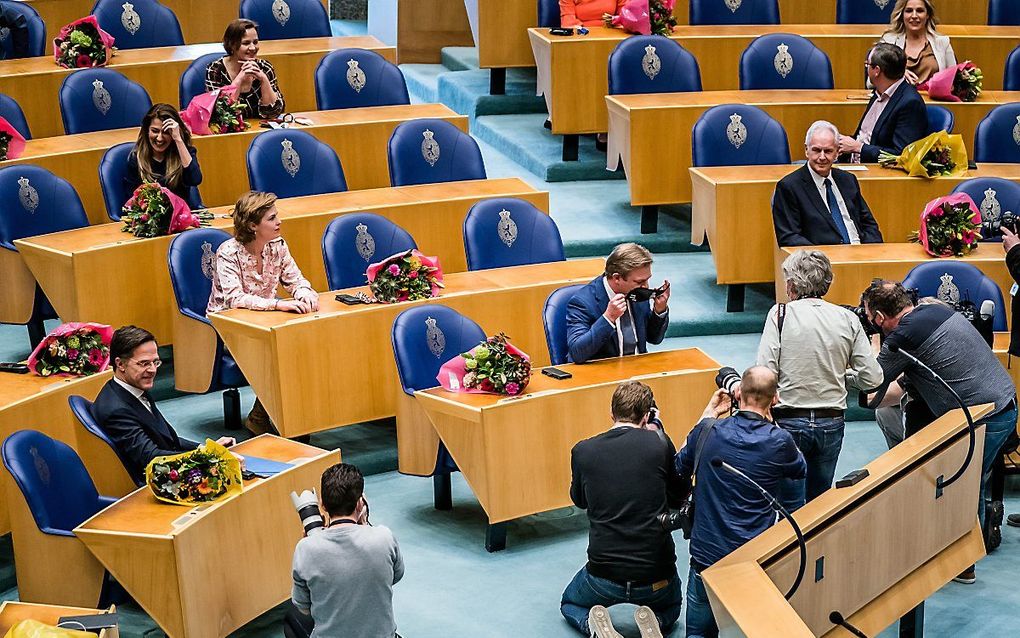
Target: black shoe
967 576
993 525
1013 520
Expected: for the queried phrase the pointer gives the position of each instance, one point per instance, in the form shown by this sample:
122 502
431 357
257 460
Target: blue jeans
997 429
820 442
700 621
585 591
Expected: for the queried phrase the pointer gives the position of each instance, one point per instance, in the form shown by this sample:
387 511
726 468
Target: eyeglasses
145 365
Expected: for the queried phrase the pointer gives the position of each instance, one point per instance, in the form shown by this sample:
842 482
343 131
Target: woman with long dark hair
163 153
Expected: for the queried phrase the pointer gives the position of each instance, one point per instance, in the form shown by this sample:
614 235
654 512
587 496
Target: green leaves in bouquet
148 212
491 367
403 278
199 476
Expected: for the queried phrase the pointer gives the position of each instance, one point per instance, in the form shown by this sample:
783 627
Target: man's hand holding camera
1009 239
719 405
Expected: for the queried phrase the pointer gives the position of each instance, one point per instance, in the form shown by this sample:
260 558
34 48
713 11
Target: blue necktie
837 217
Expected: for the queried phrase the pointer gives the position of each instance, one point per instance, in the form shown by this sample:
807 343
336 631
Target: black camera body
728 379
991 229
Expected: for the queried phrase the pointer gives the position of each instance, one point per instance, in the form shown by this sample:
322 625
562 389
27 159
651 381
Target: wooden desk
12 612
824 12
572 70
853 267
34 83
359 136
175 561
732 208
74 267
286 360
515 452
875 569
201 20
419 28
502 36
657 164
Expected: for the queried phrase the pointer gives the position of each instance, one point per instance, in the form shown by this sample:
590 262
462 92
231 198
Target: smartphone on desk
556 373
561 31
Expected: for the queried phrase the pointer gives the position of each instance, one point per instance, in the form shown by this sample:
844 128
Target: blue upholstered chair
371 80
292 163
1004 13
101 99
81 408
998 135
139 24
193 79
506 231
940 119
424 338
430 151
730 12
36 31
286 19
993 196
863 11
36 202
548 13
969 281
554 319
1011 81
191 262
784 61
11 111
59 495
112 169
666 68
353 242
738 135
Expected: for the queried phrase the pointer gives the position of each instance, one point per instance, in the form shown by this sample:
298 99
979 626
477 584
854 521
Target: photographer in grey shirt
344 572
817 349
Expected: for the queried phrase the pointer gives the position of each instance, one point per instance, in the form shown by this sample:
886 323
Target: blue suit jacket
589 336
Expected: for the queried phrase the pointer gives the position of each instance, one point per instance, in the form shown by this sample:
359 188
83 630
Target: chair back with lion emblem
953 281
507 231
352 78
652 64
784 61
36 202
864 11
292 163
139 24
287 19
709 12
99 99
191 258
427 336
432 151
997 138
738 135
353 242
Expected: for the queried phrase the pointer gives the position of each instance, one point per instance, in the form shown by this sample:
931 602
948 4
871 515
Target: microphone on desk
777 506
971 428
836 618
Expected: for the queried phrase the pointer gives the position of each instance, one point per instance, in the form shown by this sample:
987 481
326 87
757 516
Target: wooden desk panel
853 267
572 70
515 454
732 209
824 12
12 612
170 558
657 164
424 27
34 83
284 358
503 32
74 267
359 136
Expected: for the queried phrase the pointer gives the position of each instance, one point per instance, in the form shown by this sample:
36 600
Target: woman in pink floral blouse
251 266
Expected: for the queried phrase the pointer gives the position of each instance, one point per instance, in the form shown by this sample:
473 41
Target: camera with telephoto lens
728 379
869 326
992 228
307 505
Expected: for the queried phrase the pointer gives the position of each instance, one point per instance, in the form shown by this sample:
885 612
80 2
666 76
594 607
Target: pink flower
413 274
512 388
144 217
83 60
143 204
393 269
72 354
96 357
174 475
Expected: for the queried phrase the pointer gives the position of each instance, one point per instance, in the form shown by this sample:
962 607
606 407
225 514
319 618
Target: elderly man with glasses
127 412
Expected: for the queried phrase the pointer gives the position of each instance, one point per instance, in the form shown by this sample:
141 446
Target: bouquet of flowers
406 276
646 17
215 112
12 144
82 44
153 211
494 366
950 226
938 155
207 474
72 349
960 83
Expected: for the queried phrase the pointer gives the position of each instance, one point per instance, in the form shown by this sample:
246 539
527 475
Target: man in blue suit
617 314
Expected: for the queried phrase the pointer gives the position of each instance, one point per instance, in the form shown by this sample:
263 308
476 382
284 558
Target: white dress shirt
135 392
872 116
851 228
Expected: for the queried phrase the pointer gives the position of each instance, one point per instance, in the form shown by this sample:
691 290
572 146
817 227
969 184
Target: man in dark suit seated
616 314
896 115
818 204
127 412
13 27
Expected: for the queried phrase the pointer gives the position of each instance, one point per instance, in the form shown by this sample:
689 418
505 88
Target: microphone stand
941 483
836 618
777 506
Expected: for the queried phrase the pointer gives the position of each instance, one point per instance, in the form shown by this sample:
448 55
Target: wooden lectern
875 551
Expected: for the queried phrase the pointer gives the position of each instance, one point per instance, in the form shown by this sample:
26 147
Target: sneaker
967 576
1013 520
993 526
646 621
600 624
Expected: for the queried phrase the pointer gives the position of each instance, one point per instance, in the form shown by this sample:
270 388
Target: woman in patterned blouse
254 78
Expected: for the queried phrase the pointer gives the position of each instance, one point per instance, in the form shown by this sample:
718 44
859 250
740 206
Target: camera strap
699 446
780 319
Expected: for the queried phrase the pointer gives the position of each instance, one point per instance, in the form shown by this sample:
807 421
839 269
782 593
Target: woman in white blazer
912 28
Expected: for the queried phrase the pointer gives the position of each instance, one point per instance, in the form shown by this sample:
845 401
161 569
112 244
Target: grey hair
809 272
821 125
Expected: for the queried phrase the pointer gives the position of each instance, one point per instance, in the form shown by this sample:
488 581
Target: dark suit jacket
1013 265
904 120
140 436
801 217
589 336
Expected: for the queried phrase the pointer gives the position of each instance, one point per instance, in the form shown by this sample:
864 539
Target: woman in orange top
576 13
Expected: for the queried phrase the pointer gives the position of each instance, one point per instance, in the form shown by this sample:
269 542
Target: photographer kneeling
344 571
731 511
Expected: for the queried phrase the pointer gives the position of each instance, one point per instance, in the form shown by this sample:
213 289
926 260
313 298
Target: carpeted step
468 92
423 81
460 58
